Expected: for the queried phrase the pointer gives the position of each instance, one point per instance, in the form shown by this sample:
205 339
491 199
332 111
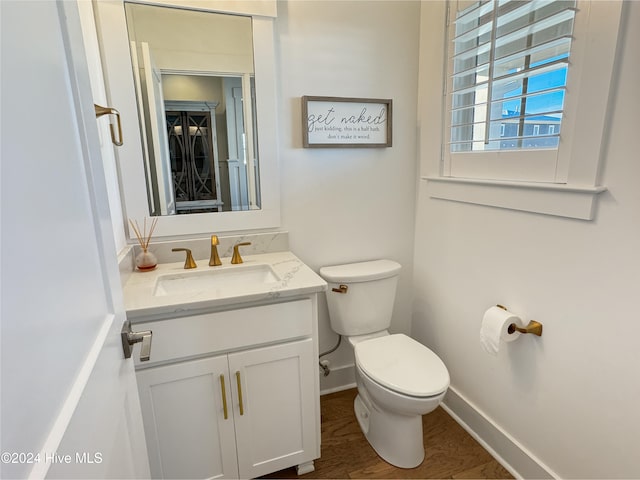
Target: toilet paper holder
533 326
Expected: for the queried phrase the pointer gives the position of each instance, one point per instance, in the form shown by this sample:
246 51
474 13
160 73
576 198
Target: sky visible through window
548 102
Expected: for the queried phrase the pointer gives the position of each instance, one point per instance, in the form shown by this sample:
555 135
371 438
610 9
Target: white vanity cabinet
232 394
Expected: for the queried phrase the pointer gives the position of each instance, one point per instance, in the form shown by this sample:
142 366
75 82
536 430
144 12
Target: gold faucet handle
214 260
189 262
236 254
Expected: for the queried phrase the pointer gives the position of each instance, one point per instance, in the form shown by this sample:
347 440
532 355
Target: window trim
576 177
555 199
584 136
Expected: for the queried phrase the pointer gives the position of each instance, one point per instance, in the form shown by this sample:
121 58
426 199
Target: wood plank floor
450 452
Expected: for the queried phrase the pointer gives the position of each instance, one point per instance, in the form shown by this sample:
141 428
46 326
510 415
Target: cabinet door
185 426
276 428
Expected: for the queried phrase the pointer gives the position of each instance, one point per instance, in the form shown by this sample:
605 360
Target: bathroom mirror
195 75
198 110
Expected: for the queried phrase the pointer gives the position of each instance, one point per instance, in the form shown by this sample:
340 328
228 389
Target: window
509 69
509 64
527 87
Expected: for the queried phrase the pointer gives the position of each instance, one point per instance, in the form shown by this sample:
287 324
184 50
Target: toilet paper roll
494 328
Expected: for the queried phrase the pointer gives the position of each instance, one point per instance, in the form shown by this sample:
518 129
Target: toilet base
397 439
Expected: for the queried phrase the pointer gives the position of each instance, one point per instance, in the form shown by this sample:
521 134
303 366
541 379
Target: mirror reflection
194 78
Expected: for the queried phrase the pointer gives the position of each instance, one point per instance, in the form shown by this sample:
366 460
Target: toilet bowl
398 378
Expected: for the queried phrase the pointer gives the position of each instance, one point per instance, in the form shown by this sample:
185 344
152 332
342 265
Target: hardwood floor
450 452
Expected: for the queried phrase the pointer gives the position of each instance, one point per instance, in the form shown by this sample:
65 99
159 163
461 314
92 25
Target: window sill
561 200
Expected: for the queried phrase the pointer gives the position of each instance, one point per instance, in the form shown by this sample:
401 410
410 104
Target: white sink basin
216 280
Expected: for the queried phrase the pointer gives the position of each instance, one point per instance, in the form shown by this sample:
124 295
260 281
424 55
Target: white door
236 144
159 145
69 400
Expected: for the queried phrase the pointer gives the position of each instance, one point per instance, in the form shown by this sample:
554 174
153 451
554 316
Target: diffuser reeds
143 238
145 260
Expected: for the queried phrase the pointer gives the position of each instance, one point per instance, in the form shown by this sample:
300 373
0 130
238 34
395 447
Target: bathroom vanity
231 389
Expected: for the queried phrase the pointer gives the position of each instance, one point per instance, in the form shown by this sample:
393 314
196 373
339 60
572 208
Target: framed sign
335 122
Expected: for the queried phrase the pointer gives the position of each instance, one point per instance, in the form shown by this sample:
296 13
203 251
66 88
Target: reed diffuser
145 260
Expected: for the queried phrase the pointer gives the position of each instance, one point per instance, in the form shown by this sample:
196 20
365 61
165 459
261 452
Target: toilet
398 378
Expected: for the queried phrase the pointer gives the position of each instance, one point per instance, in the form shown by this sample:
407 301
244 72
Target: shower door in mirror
194 161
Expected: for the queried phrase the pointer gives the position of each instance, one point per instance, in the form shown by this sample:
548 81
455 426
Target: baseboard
505 449
340 378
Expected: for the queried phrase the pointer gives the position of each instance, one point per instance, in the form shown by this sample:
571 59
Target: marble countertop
293 278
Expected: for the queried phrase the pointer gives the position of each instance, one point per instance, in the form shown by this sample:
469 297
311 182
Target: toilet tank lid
361 271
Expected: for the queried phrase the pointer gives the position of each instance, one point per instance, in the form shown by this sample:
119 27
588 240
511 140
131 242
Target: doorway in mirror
193 155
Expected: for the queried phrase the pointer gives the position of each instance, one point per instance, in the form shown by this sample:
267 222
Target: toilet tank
367 304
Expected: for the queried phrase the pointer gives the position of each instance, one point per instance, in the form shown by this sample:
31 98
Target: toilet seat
403 365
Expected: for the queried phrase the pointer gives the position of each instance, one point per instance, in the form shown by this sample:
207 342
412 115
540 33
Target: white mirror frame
116 61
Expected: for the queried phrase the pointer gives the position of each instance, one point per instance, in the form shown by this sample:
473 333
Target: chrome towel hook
100 111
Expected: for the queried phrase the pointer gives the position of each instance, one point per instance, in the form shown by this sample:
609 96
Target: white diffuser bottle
145 260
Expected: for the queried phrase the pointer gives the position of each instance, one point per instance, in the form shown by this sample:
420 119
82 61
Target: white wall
570 398
193 88
188 40
346 205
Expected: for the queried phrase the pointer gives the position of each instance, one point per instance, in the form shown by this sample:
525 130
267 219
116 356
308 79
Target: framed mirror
198 107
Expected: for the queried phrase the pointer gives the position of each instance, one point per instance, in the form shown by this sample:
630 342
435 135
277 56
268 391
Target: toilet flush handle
340 289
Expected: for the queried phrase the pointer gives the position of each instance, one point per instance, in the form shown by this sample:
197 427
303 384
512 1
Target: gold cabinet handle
100 111
224 397
240 404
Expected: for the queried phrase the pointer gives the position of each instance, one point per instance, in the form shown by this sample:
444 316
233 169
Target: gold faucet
214 261
236 254
189 262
